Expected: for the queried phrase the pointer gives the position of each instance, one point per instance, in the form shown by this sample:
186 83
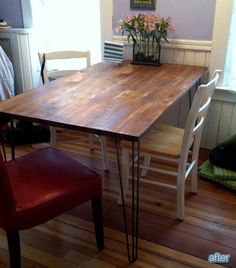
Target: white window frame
223 14
221 31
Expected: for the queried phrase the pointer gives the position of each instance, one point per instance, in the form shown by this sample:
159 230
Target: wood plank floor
68 240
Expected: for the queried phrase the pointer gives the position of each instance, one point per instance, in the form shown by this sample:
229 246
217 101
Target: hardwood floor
68 240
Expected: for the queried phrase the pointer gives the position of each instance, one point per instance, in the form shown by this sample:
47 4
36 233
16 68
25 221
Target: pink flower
128 16
145 26
120 22
171 26
150 22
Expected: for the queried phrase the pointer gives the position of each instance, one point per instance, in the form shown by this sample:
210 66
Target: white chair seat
163 140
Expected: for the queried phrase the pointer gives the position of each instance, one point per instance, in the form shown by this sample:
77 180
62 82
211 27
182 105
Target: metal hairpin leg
4 150
132 248
12 140
198 83
190 98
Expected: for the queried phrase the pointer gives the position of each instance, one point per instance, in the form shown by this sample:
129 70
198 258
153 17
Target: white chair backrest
113 52
196 118
56 64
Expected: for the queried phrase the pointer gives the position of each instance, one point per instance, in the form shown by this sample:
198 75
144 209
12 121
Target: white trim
175 43
106 9
16 30
26 13
225 94
189 44
106 14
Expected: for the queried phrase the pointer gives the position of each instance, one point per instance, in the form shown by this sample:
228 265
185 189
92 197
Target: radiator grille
5 44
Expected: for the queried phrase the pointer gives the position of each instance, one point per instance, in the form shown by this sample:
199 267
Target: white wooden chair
56 64
174 145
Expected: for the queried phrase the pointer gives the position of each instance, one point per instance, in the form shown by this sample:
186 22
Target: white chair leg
146 164
194 173
53 138
125 174
180 199
103 141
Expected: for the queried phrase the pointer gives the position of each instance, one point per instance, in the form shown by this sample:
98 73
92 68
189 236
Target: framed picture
143 4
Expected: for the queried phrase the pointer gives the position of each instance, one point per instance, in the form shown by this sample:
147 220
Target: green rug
217 174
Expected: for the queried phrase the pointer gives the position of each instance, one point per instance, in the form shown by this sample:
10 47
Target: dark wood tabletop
122 100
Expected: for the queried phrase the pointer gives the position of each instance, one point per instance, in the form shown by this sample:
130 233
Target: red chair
38 187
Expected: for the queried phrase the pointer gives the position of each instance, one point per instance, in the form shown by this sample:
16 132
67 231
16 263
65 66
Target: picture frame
143 4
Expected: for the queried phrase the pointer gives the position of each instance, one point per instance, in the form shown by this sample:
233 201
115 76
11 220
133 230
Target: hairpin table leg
132 246
12 140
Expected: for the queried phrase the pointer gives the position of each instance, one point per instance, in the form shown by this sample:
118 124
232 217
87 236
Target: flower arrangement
142 27
146 30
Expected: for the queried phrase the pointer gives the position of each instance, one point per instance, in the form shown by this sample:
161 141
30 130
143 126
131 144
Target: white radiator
16 44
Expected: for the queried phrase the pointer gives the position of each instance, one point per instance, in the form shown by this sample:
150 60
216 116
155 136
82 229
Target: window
105 23
222 43
68 25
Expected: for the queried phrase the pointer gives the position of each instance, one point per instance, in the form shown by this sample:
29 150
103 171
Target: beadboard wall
177 51
221 120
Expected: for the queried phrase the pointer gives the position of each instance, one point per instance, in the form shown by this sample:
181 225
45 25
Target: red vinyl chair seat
41 191
41 185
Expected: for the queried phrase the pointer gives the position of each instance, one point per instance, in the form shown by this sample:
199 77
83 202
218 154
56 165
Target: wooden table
120 100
